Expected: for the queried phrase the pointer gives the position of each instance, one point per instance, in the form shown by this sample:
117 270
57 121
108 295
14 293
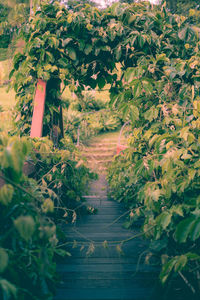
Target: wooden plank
101 260
108 283
38 111
99 236
105 294
84 229
129 275
105 268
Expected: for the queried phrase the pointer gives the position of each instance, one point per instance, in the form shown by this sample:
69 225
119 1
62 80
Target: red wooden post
121 148
38 112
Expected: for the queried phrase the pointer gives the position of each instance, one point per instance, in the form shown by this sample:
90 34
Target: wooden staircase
103 266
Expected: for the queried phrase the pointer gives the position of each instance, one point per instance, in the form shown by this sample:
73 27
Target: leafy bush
89 124
104 121
87 103
54 172
28 207
28 237
159 175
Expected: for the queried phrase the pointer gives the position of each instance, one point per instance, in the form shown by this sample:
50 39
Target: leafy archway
82 49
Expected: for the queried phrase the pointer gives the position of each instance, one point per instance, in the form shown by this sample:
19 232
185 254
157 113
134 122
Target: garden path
97 270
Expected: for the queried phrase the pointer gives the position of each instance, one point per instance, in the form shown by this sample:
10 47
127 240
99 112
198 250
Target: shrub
29 236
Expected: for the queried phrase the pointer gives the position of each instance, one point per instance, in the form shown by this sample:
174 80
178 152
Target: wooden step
111 270
103 145
98 156
99 149
131 293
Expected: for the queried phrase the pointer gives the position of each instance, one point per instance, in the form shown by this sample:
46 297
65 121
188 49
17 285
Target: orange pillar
38 111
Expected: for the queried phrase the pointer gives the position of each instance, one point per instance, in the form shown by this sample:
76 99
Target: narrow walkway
98 269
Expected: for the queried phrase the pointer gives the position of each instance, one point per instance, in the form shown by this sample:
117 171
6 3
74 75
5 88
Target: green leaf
66 42
3 259
183 229
25 225
151 114
129 75
101 82
164 219
195 230
137 89
88 49
118 53
48 206
147 86
166 270
72 53
9 289
182 33
180 263
6 194
134 113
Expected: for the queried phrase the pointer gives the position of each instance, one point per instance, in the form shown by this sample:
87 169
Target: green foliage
157 89
159 175
89 124
68 46
28 210
28 237
55 169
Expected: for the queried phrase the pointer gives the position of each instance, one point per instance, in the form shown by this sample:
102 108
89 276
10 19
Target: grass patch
7 102
7 99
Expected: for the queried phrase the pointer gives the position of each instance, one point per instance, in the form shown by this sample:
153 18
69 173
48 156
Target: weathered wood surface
105 274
